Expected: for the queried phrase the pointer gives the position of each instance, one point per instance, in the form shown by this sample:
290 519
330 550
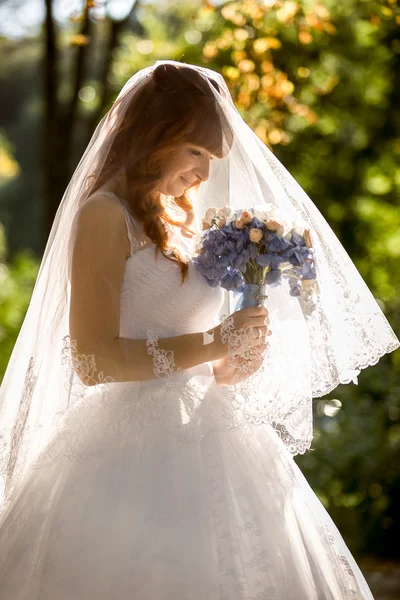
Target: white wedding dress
153 492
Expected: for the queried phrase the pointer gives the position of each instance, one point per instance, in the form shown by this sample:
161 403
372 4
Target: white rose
263 211
287 228
259 214
224 211
210 214
221 222
285 266
299 225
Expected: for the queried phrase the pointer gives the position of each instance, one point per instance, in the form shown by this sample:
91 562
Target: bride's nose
203 171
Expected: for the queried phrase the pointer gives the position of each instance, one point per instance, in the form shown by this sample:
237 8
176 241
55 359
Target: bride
141 457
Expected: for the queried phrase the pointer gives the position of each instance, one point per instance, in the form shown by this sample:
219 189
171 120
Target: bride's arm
98 262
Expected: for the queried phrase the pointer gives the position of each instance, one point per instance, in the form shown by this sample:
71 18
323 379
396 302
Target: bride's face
184 166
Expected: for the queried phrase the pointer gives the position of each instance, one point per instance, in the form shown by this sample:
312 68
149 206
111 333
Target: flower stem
254 273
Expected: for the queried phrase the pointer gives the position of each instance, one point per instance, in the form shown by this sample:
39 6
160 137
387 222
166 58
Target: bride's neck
119 185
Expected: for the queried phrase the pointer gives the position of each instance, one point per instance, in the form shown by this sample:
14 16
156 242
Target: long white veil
310 353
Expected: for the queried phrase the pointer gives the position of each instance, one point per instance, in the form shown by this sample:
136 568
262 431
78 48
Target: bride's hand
230 371
248 329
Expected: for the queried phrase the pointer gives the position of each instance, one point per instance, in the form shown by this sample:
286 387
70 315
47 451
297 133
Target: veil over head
310 352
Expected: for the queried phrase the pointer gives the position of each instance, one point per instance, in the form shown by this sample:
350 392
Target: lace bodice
152 296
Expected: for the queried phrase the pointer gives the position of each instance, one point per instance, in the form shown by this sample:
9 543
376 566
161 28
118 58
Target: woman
132 465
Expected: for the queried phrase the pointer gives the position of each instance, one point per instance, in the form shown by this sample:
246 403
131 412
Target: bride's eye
196 152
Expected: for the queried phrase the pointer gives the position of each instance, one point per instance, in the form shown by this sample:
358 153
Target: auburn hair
175 106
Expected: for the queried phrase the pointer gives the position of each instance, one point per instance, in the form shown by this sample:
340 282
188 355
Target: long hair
176 106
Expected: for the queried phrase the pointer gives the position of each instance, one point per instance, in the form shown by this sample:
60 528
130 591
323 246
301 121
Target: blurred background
319 82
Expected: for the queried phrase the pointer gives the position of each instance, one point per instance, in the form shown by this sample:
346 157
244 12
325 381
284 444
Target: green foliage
16 285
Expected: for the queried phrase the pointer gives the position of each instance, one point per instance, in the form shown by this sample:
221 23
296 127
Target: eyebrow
202 148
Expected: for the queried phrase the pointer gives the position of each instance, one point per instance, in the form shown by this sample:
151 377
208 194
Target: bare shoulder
102 204
103 216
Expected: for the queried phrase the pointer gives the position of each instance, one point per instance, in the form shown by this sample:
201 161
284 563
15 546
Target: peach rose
274 225
239 224
205 226
308 238
246 217
255 234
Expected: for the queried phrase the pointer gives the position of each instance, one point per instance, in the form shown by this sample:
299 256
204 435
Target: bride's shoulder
102 199
108 209
103 205
109 201
103 216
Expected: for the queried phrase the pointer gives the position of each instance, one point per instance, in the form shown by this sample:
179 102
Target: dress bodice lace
152 296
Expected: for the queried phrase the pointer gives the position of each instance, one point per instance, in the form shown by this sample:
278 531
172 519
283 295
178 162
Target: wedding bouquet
256 246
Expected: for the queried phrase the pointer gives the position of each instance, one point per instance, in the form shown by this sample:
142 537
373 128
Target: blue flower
219 236
308 271
264 260
257 223
212 282
269 260
253 251
298 239
224 261
276 261
240 244
238 261
233 280
277 244
269 235
273 278
296 255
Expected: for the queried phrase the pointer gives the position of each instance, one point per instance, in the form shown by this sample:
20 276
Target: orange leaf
80 40
305 37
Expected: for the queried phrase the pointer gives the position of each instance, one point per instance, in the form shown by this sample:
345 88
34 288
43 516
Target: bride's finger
258 350
258 336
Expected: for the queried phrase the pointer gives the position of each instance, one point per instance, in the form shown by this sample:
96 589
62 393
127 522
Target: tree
67 129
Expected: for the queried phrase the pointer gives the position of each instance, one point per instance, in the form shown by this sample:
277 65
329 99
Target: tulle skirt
227 516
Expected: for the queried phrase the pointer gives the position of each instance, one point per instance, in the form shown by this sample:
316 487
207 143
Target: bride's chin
179 190
174 191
